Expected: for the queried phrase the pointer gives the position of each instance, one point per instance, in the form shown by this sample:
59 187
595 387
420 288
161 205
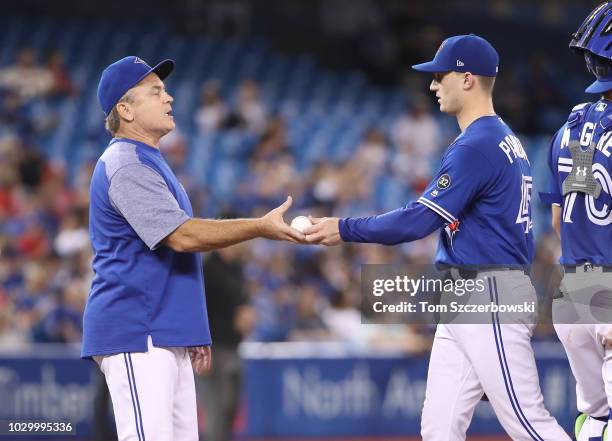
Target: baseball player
581 166
145 317
480 200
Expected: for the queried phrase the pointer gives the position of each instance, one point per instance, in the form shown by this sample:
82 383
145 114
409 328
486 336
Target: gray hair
113 120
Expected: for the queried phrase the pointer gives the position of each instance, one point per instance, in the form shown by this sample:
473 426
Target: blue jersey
140 287
482 191
586 222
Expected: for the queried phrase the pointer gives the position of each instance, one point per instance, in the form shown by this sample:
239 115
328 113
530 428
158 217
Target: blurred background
310 98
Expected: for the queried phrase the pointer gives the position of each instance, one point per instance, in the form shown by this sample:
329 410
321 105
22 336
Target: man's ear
468 81
125 111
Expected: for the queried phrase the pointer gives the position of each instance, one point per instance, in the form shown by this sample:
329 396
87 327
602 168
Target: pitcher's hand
324 231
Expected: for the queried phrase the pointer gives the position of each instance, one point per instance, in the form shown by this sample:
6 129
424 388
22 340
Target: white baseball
300 223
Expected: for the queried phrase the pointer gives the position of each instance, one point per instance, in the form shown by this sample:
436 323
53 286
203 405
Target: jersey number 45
524 214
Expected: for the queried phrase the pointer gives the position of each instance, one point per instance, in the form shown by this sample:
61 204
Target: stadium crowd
294 292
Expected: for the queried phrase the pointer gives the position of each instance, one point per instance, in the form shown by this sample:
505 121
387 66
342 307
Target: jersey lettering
587 134
513 148
565 139
602 216
524 209
605 144
568 207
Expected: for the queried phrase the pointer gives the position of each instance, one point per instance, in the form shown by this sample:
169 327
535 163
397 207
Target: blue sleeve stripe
435 207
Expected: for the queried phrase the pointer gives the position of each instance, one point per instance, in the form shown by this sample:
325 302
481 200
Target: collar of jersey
137 143
480 119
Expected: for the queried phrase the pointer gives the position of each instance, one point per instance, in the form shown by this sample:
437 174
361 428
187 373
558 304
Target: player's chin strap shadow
581 177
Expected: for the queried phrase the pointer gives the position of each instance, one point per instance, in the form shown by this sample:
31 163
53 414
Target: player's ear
125 111
468 81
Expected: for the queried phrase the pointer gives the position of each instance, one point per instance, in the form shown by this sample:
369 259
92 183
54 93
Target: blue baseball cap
599 86
124 74
463 53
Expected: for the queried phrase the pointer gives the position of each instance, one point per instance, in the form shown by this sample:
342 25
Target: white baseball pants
590 361
153 394
468 360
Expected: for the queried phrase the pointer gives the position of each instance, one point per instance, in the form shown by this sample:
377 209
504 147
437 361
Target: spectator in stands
11 335
397 337
174 146
34 202
417 136
322 185
73 235
231 320
308 324
274 143
230 18
68 315
372 153
369 161
512 102
62 86
12 267
343 318
544 83
34 301
212 113
62 322
271 174
268 275
14 114
8 180
249 114
59 193
546 277
26 77
33 242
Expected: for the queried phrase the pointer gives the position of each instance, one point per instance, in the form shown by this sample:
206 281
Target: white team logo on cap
139 60
460 63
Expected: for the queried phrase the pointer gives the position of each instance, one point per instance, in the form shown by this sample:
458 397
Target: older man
145 316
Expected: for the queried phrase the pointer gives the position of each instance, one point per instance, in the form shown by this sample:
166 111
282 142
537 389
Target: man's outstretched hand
201 358
324 231
275 228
